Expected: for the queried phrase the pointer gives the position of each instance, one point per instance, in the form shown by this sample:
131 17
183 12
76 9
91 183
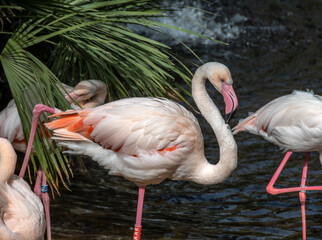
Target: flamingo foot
138 226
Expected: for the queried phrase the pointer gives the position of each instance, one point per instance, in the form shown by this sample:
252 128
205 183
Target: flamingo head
221 79
89 93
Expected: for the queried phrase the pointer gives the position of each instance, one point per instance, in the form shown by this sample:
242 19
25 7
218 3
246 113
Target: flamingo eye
222 80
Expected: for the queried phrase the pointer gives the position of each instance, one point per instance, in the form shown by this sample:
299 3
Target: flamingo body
147 140
143 139
293 122
21 211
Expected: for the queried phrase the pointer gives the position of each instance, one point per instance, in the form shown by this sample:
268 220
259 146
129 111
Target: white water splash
194 16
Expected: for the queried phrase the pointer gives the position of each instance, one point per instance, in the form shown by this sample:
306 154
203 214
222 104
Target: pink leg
40 190
138 226
272 190
303 196
37 188
270 187
302 189
39 108
46 201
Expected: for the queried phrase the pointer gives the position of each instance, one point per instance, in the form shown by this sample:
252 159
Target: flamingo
87 93
21 211
294 123
147 140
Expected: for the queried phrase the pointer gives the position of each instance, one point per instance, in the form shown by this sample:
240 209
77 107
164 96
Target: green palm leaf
32 82
52 41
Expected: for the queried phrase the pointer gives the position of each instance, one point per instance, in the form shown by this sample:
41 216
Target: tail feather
65 135
249 121
63 122
70 126
64 114
68 113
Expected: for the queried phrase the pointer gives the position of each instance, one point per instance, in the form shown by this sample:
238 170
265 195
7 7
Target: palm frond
67 40
32 82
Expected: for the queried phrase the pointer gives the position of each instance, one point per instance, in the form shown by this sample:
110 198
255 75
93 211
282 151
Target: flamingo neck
8 159
207 173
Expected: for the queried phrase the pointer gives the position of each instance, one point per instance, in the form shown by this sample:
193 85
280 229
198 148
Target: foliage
44 41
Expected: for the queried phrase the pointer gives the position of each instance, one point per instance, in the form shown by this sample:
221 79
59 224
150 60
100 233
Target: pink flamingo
147 140
294 123
87 93
21 211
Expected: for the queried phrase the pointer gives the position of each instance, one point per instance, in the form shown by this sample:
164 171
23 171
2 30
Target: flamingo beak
230 99
73 96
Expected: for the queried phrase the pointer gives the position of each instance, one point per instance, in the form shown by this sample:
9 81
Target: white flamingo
147 140
21 211
87 93
294 123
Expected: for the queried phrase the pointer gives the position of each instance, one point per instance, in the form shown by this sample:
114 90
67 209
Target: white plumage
147 140
293 122
21 211
88 93
10 126
132 133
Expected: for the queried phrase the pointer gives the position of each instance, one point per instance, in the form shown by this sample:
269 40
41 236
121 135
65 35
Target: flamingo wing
293 122
130 126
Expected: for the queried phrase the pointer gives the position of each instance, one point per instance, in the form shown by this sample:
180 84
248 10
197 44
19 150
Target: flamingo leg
138 226
270 187
302 189
40 190
302 194
46 201
272 190
39 108
37 188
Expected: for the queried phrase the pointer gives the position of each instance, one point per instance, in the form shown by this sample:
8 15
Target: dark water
275 47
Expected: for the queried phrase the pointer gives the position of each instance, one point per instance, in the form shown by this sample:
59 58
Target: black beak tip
229 116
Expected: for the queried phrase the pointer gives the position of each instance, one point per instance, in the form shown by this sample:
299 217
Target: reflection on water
278 50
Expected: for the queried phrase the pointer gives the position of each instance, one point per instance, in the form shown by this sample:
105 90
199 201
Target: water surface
275 47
